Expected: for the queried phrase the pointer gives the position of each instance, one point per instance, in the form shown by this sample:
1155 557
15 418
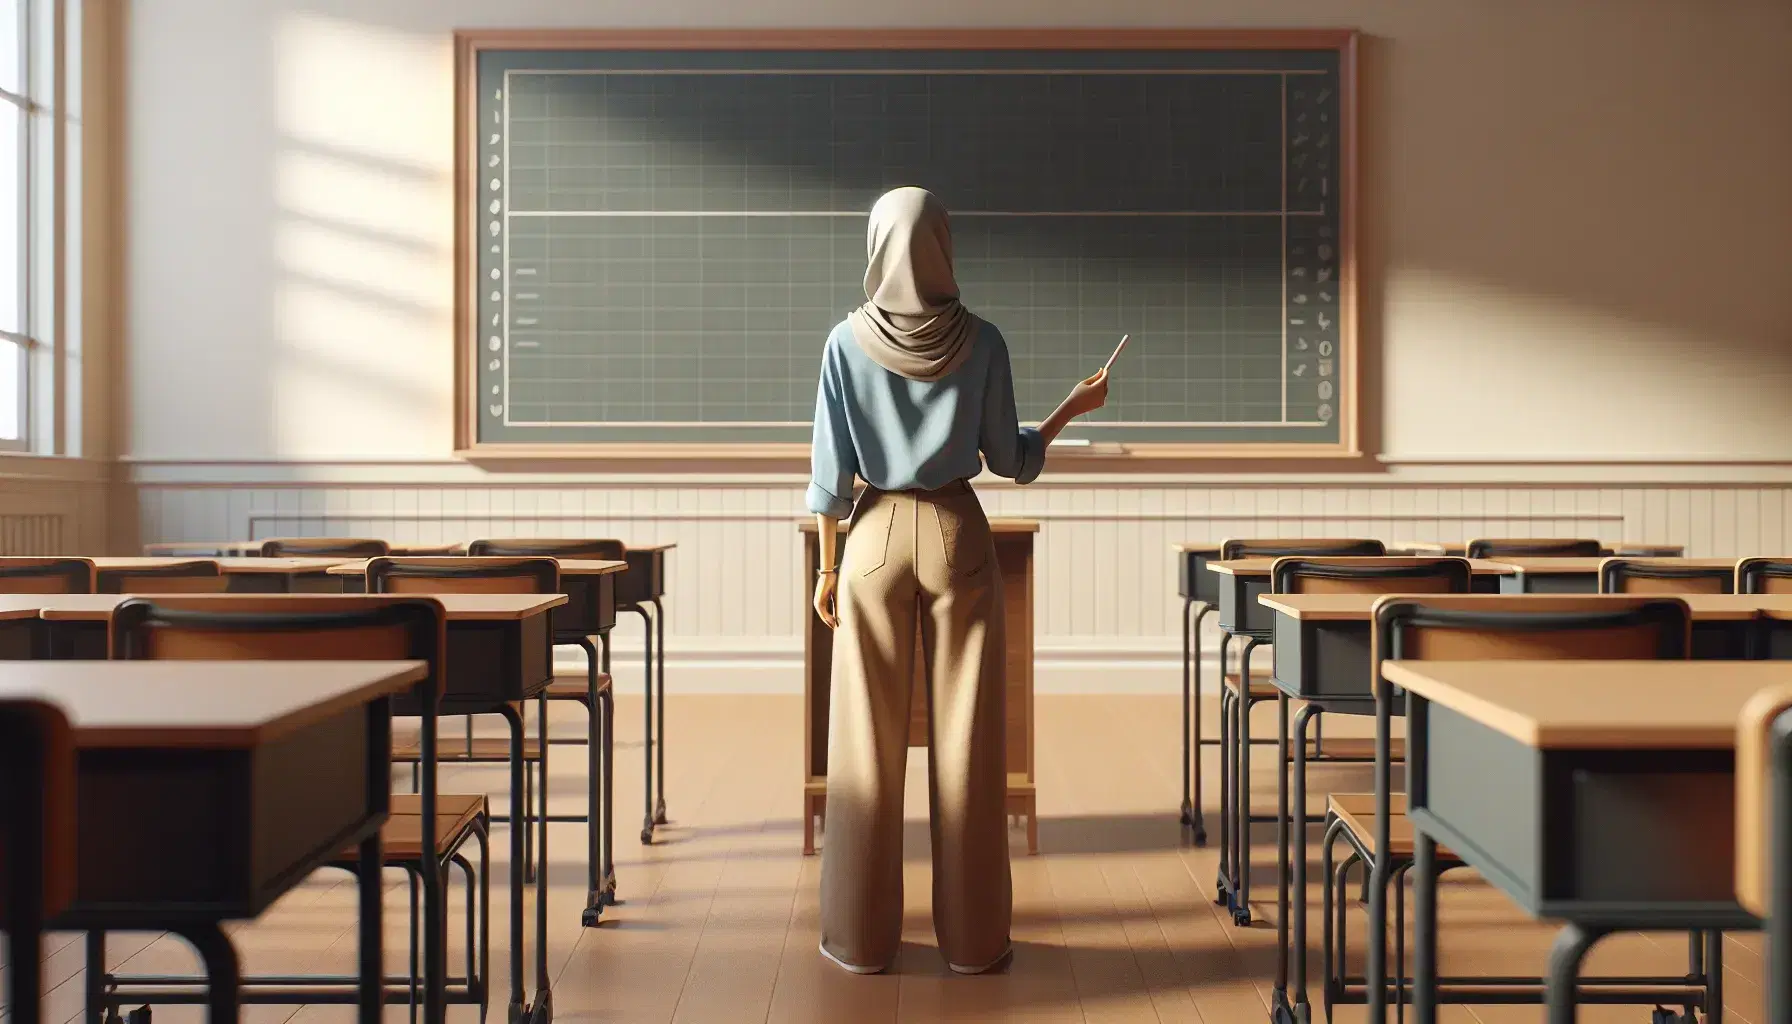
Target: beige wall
1553 190
1574 220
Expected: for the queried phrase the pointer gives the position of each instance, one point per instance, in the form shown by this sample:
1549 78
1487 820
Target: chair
425 834
199 576
606 550
1764 576
653 633
1534 547
37 841
467 575
1645 576
46 576
1764 834
324 547
1460 628
1239 694
1301 575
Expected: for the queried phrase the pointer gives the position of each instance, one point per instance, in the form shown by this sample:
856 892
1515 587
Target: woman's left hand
824 599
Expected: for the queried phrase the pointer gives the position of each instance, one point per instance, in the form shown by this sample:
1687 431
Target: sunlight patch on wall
363 242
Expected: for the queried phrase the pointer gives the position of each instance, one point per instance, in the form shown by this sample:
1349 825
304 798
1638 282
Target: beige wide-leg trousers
917 560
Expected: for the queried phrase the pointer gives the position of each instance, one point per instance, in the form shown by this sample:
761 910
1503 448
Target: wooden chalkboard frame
468 44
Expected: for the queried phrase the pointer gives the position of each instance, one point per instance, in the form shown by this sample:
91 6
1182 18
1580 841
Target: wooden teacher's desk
1014 556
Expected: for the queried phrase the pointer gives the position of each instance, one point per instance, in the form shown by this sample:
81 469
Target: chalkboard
658 239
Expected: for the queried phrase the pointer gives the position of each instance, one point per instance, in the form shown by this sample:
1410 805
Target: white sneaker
854 968
992 965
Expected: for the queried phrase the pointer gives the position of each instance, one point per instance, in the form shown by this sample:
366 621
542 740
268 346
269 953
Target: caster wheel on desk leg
1241 916
647 832
1188 813
1222 896
1200 830
591 916
659 813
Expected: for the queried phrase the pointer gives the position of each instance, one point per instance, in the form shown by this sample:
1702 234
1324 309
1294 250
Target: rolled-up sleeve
832 460
1009 449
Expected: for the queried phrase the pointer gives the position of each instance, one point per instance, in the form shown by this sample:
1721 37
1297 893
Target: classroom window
39 186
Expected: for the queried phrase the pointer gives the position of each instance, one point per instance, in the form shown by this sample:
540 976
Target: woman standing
913 387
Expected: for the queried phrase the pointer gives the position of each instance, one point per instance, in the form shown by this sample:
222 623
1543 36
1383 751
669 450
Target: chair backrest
37 813
46 576
1764 576
324 547
1530 627
288 627
1303 575
1534 547
1277 547
1763 785
549 547
1646 576
202 576
463 576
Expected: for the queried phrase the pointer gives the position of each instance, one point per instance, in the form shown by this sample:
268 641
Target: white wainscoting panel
1108 612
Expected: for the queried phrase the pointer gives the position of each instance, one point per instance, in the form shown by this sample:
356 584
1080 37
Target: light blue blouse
898 434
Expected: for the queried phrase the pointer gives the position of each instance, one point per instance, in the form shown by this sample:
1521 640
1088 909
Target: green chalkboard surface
661 239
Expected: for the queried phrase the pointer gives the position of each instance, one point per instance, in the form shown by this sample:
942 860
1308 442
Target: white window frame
46 264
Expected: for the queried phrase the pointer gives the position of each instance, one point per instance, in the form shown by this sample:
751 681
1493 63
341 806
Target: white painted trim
776 666
1070 470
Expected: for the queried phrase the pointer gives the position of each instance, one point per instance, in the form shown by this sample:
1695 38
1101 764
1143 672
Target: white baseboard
777 669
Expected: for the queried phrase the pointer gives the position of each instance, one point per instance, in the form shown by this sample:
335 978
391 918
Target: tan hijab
914 324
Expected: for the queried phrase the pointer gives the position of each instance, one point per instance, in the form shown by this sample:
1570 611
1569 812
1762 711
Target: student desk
1240 583
1570 575
1014 558
18 627
1321 648
499 654
252 549
1197 587
244 777
591 600
1600 794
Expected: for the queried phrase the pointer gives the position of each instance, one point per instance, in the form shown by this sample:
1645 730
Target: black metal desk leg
518 865
609 835
647 721
1188 743
95 1009
596 805
1241 784
543 1009
1223 884
372 989
1424 923
1279 1010
1714 976
659 650
1570 948
223 973
1303 1010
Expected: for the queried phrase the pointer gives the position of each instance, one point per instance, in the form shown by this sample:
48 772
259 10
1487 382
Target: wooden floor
1113 922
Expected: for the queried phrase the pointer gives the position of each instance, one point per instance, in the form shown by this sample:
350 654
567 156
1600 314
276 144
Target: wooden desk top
1359 607
995 525
200 704
568 566
1754 796
455 607
1262 566
1597 705
146 562
1578 565
9 610
666 546
1195 547
275 566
